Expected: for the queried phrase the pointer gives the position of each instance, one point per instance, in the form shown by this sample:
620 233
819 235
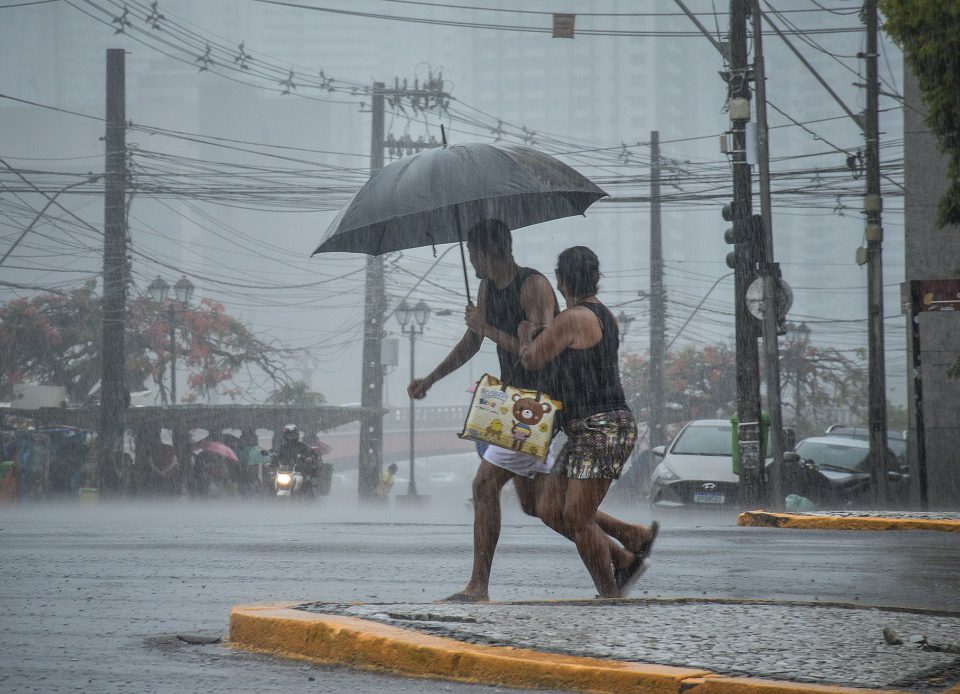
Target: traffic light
750 232
746 232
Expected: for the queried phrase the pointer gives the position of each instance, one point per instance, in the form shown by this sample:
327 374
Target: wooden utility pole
657 336
371 427
745 257
113 388
769 270
425 96
872 206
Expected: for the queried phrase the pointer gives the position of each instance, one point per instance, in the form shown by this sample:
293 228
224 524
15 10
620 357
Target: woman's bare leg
583 497
632 537
551 497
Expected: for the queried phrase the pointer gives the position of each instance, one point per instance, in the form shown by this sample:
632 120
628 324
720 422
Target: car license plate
711 498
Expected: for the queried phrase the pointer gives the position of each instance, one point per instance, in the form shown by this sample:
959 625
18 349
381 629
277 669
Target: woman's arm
536 351
574 328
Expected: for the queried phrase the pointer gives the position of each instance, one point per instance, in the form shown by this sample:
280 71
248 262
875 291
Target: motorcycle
290 480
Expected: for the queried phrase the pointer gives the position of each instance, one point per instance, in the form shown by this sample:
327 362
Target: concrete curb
768 519
339 640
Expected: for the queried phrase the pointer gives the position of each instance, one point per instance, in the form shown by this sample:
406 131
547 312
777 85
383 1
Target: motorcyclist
293 451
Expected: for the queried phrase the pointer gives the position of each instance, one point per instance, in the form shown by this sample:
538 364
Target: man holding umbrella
508 295
429 198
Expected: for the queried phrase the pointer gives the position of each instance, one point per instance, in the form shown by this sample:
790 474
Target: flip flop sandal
648 547
627 578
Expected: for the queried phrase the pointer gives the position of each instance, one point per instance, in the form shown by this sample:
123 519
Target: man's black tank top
588 380
503 311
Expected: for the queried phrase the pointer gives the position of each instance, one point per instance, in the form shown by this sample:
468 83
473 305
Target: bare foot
464 596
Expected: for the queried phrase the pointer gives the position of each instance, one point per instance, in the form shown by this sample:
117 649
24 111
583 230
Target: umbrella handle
466 281
463 258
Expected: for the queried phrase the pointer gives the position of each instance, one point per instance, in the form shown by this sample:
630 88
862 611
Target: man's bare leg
487 485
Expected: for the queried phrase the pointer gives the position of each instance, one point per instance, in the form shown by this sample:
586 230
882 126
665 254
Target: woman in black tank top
582 344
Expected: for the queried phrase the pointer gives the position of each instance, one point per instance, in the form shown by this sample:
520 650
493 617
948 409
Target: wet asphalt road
93 596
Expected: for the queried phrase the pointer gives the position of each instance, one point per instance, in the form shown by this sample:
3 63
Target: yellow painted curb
790 520
335 639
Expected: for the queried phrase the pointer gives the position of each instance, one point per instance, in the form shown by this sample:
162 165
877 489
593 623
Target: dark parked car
833 471
896 440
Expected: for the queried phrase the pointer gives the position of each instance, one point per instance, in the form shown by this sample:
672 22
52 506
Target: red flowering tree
698 382
816 384
55 339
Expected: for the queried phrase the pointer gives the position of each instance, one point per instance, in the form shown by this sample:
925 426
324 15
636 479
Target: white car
696 469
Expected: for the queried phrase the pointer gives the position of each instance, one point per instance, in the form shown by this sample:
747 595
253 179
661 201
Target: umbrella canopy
434 196
217 448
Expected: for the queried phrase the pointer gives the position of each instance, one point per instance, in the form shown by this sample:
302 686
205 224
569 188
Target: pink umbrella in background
217 448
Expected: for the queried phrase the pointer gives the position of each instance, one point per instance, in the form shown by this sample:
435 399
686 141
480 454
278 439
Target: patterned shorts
597 446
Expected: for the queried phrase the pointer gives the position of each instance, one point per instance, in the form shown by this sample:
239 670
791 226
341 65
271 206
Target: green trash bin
324 478
735 439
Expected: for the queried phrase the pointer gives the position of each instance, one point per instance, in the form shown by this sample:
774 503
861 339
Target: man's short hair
492 237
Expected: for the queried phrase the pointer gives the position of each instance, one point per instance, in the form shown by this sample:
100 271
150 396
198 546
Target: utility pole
421 97
872 206
745 257
769 270
113 390
371 428
657 336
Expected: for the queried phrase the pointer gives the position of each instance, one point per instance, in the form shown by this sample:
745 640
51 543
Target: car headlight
664 472
283 478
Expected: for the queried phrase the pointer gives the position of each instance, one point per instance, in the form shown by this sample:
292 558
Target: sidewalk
854 520
700 646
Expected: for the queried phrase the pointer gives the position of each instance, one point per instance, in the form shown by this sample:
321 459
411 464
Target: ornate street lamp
419 314
183 290
159 290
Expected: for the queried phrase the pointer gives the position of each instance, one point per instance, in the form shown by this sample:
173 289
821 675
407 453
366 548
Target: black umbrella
433 196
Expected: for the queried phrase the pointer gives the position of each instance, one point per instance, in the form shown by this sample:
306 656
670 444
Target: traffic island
664 646
853 520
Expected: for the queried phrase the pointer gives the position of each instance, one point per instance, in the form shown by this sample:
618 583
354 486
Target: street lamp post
182 292
799 336
419 313
624 321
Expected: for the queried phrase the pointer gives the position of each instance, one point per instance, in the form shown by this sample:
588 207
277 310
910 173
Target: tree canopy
54 339
817 385
296 393
928 32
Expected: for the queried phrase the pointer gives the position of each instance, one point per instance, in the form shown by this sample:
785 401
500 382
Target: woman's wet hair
492 237
578 269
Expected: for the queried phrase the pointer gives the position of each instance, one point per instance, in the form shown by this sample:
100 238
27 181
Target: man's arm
538 304
461 353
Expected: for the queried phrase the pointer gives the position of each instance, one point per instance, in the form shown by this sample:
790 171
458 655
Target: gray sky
238 181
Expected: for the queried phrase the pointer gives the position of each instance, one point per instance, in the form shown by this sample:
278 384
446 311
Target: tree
52 338
55 339
928 32
296 393
698 382
817 384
